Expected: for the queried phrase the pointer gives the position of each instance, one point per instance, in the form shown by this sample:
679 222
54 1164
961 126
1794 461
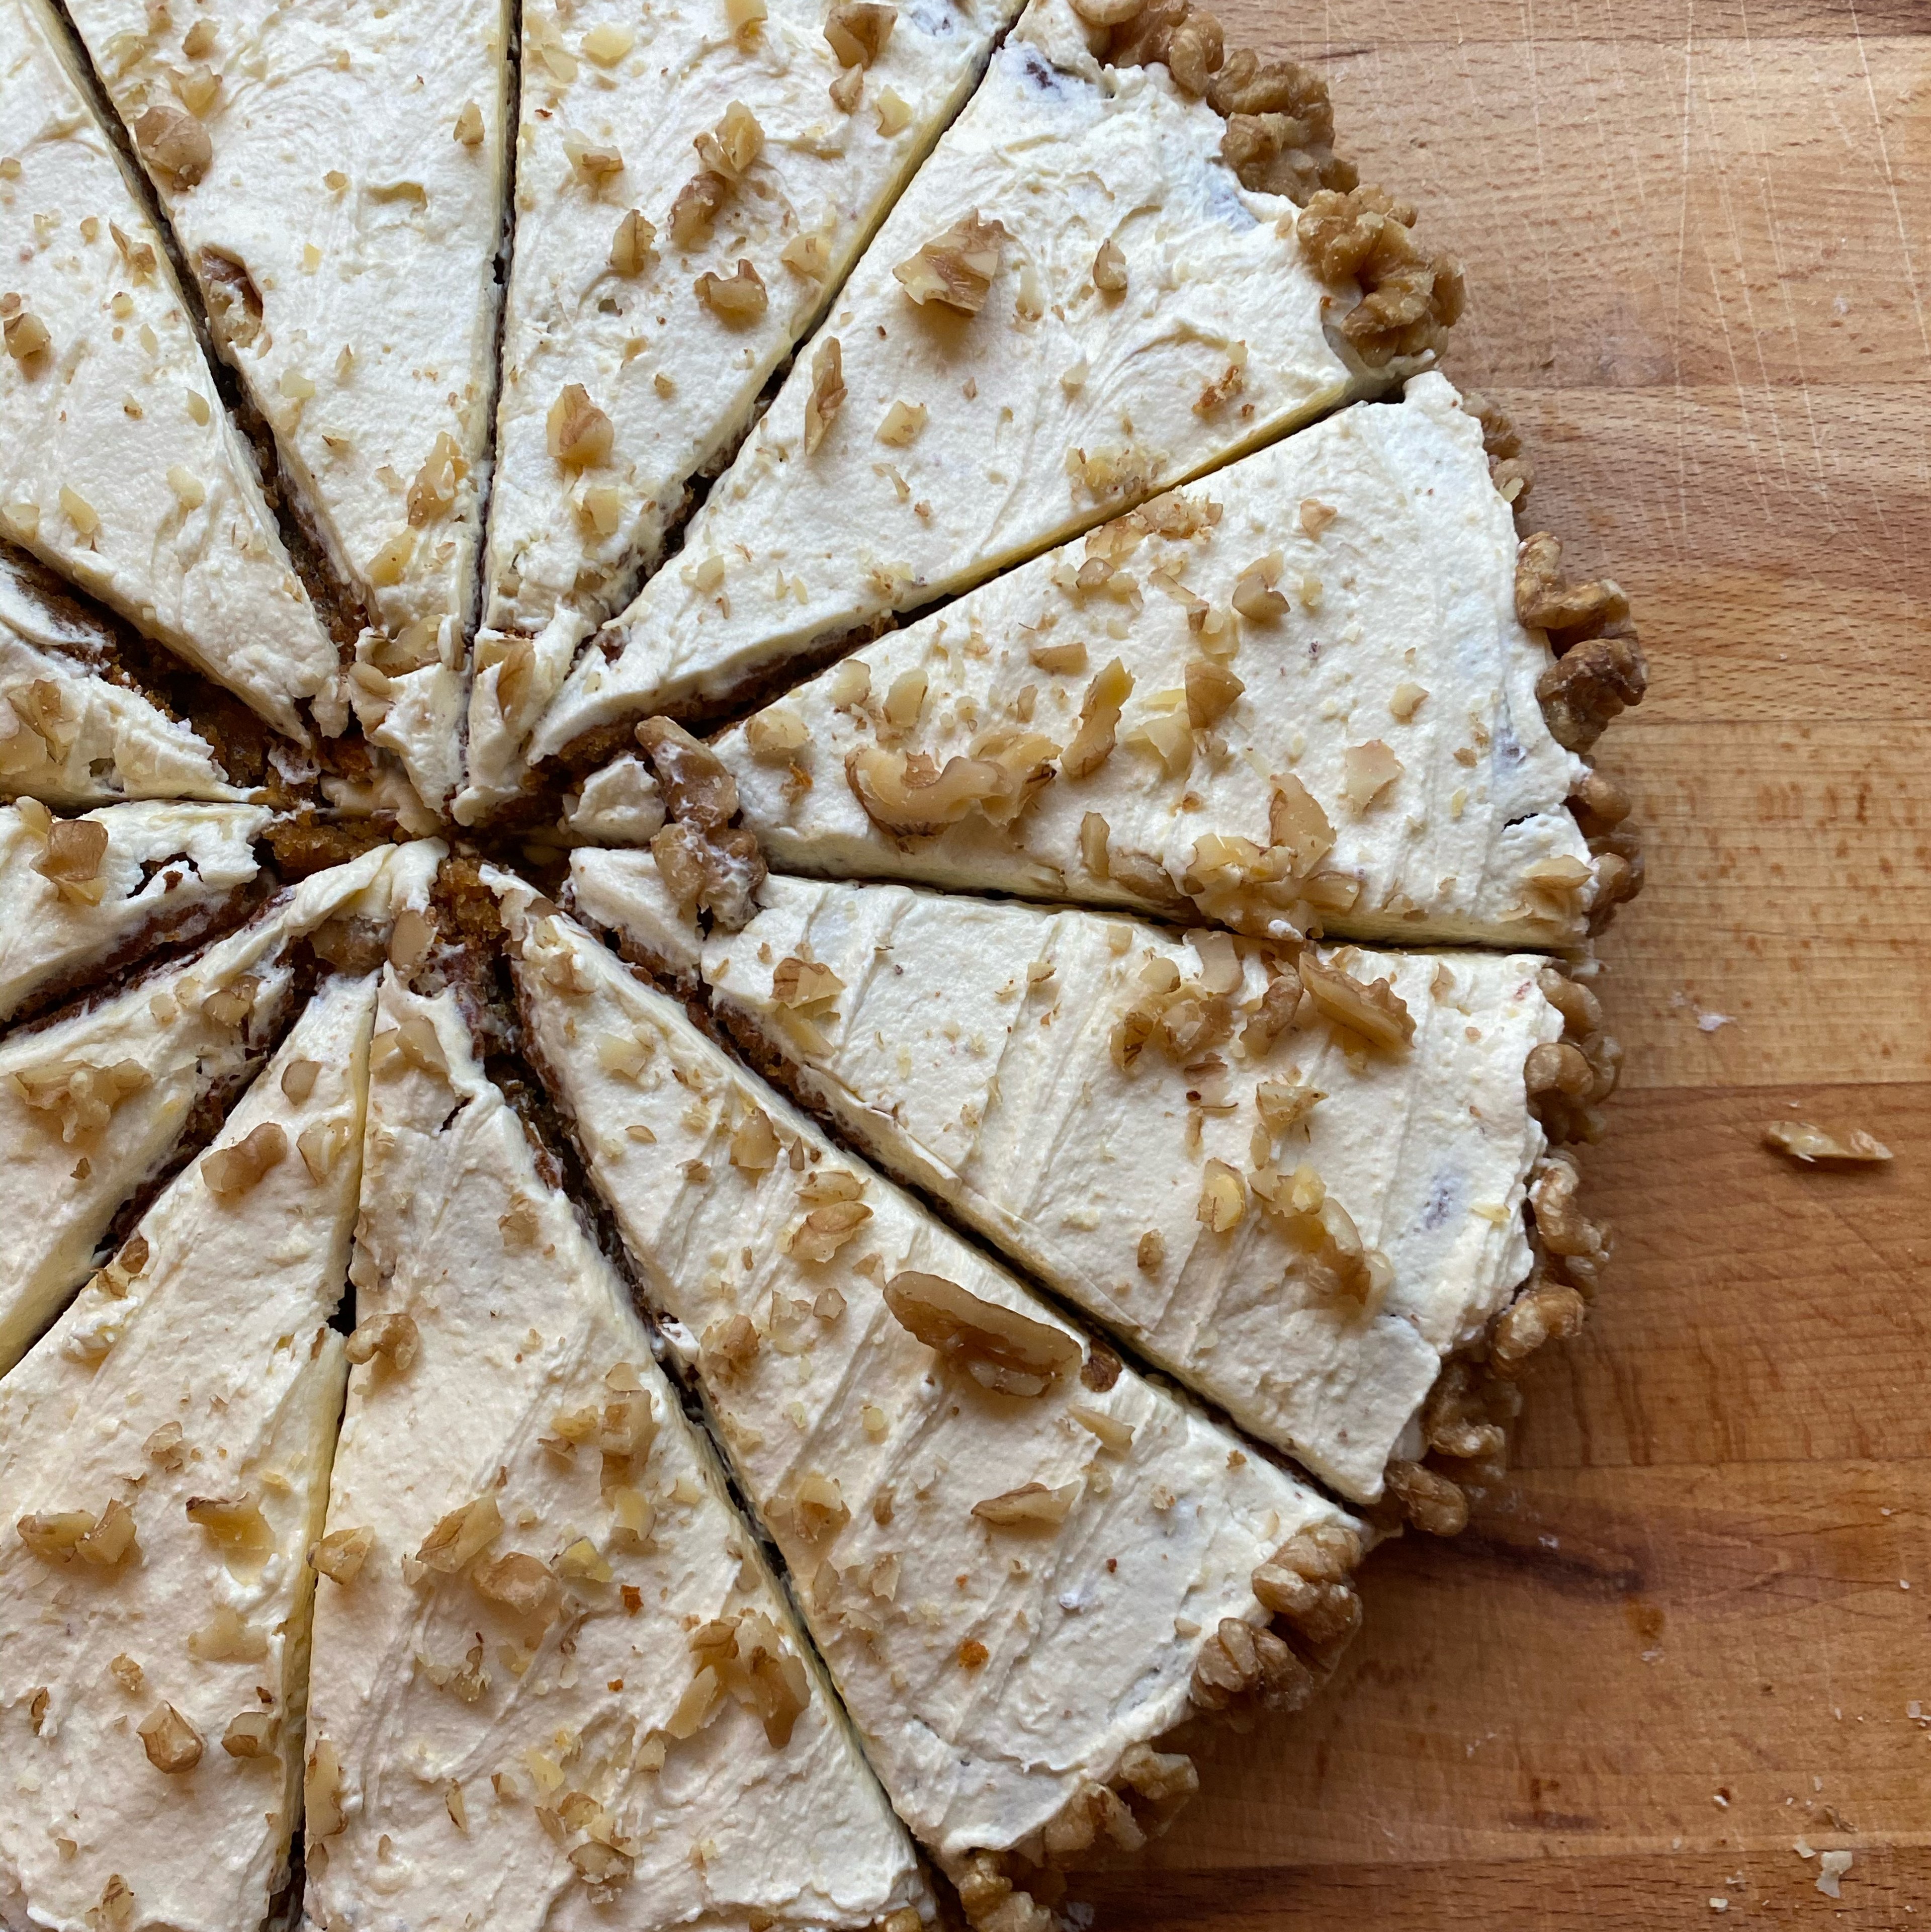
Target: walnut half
1409 299
998 1347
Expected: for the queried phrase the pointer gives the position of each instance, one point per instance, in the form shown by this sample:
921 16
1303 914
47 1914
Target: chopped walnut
171 1743
902 424
1297 826
1512 471
251 1734
394 1337
998 1347
955 267
1213 691
1374 1010
463 1534
1223 1198
516 1582
28 341
1428 1500
1109 268
174 144
1811 1144
340 1555
579 434
1099 719
84 1097
1150 1255
232 1522
235 1170
633 251
71 863
1333 1259
825 1230
1166 1780
1031 1503
729 1347
828 392
433 492
1368 771
736 299
1254 596
698 204
468 130
1410 299
907 793
857 31
106 1542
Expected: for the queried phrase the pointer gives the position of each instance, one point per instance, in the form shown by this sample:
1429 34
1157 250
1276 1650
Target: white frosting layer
166 866
221 1340
792 549
90 740
66 1166
118 466
996 1088
1401 633
339 187
676 380
620 804
521 1321
1090 1630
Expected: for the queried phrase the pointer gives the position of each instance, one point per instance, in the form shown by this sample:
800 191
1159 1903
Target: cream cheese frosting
1000 1091
961 444
1369 739
151 1707
118 466
336 175
94 1104
622 111
70 735
515 1740
163 871
994 1669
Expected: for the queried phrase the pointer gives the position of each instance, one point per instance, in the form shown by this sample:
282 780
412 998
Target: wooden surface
1697 235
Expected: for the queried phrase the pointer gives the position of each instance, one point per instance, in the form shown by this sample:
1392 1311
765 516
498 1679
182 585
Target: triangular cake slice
77 727
1023 1561
334 174
1292 1177
553 1676
95 1104
85 895
164 1460
118 466
1298 691
649 165
1078 301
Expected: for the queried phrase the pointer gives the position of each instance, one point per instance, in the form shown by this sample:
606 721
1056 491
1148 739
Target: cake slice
1023 1561
334 173
163 1464
1093 290
553 1679
76 726
654 156
1293 1176
85 895
118 466
1299 692
96 1104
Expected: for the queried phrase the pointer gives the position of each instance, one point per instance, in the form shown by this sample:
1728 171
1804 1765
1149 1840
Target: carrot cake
690 191
552 1675
164 1455
95 1104
1294 1177
334 174
119 466
1023 1561
1299 693
1089 292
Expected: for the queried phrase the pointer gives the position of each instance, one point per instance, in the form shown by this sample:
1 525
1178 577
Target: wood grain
1698 238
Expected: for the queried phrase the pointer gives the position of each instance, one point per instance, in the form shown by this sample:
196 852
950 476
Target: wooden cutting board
1697 239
